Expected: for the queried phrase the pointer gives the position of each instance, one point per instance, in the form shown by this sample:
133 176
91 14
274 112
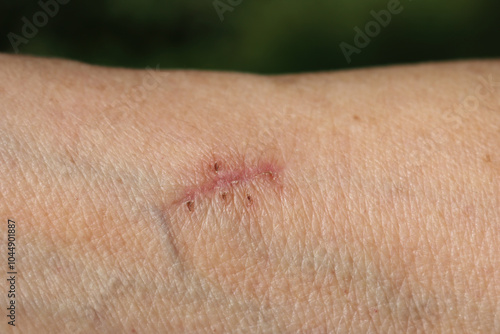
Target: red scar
221 179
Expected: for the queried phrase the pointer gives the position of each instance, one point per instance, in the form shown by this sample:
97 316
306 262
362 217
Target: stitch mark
223 181
249 200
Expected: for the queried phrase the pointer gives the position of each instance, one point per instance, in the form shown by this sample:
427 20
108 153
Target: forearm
186 201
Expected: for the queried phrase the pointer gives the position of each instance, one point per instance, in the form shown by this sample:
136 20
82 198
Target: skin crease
382 216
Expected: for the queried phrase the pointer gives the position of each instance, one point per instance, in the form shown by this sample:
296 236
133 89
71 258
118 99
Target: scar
224 179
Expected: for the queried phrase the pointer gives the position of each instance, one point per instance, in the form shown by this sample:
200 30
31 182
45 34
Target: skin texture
184 201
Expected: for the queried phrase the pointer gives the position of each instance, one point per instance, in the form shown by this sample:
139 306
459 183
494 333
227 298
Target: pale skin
174 201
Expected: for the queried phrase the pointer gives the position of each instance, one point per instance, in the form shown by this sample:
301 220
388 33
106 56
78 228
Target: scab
224 196
249 200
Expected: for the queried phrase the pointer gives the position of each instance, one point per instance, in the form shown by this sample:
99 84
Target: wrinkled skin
174 201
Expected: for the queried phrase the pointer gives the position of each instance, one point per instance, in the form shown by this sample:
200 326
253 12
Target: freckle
190 205
216 167
224 196
356 118
487 158
249 199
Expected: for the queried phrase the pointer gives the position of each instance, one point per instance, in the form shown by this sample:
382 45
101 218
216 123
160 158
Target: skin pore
184 201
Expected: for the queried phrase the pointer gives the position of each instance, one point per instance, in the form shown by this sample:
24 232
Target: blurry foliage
264 36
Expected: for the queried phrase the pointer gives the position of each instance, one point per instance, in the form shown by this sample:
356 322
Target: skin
184 201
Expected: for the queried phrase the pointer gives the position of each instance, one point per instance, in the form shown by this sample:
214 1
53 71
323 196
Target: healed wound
220 179
223 220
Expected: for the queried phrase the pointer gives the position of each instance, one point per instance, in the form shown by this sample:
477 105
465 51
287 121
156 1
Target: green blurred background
268 36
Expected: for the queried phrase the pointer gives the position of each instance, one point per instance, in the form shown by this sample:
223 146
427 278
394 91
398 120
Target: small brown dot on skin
223 196
270 175
249 199
356 118
190 205
487 158
216 167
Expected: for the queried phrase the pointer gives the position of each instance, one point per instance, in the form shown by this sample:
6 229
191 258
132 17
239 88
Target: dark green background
268 36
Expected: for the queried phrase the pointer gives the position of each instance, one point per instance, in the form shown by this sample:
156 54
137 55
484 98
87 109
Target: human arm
193 201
